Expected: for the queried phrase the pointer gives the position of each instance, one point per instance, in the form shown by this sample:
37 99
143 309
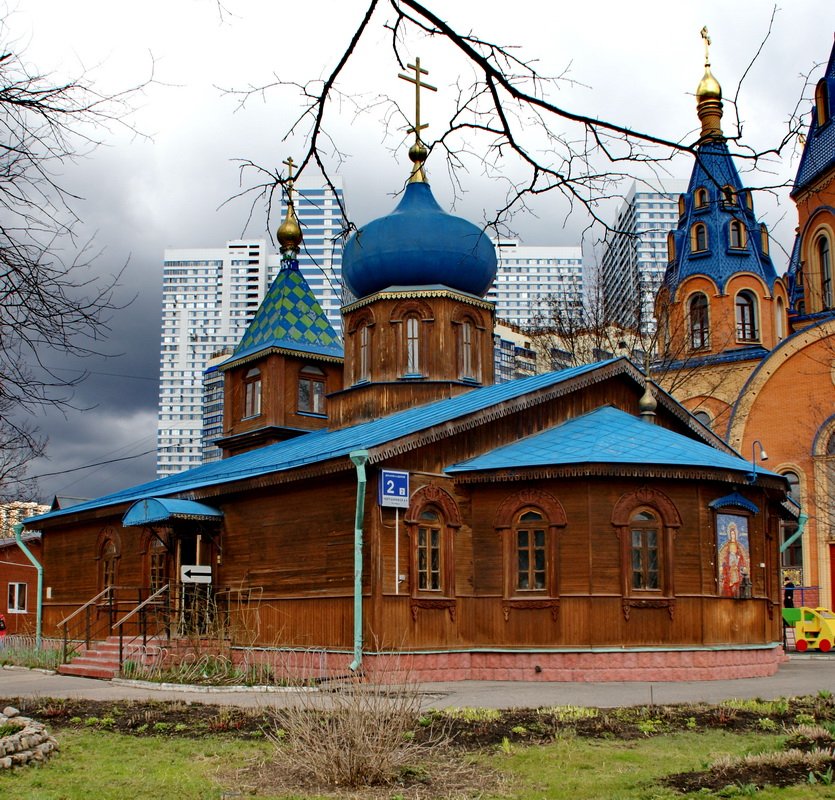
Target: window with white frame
17 598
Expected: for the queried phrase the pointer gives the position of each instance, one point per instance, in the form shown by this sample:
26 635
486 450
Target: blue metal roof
819 152
289 318
714 169
605 436
735 500
323 445
157 509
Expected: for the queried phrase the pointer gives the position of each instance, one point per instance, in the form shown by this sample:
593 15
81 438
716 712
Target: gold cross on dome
706 38
419 84
290 164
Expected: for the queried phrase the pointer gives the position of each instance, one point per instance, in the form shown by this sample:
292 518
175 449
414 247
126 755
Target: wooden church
383 497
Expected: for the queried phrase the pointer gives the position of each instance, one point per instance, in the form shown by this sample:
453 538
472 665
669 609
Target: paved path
802 674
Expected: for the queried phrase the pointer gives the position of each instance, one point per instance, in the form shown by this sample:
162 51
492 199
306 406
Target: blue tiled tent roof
322 445
604 436
819 152
713 170
289 318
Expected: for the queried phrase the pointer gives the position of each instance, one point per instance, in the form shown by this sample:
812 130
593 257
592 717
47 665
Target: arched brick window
747 329
699 321
823 257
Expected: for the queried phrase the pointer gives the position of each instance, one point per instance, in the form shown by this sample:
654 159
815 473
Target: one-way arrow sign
195 573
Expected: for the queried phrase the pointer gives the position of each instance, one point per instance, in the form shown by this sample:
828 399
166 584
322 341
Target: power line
90 466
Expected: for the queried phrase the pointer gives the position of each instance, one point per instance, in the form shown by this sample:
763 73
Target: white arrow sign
195 573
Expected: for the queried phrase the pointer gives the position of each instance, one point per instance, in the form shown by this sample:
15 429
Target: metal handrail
137 610
88 603
141 606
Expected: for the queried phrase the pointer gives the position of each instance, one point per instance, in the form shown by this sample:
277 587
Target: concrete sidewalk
802 674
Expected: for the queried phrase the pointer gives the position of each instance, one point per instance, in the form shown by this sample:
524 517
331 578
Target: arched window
531 555
469 352
252 393
412 345
746 317
736 234
764 244
699 323
646 522
698 237
108 564
429 551
431 521
645 532
822 102
157 565
791 556
749 199
703 417
779 320
700 198
682 205
671 246
312 390
823 253
729 196
364 353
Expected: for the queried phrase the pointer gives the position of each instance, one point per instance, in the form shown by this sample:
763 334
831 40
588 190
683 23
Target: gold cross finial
419 84
706 38
417 152
290 164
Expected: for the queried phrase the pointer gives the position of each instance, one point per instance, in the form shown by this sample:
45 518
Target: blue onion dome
419 244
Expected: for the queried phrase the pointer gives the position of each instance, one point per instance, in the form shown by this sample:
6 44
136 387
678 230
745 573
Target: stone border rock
31 744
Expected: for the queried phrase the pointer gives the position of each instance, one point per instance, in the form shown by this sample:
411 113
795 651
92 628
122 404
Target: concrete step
88 671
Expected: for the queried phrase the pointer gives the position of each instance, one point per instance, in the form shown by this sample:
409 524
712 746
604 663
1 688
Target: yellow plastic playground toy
813 628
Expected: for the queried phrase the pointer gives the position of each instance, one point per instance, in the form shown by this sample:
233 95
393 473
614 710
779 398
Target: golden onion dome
290 232
708 88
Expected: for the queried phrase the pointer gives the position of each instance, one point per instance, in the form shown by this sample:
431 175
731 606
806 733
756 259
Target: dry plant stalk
359 734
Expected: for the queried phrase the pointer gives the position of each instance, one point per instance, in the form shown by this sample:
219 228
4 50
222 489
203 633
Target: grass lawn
112 766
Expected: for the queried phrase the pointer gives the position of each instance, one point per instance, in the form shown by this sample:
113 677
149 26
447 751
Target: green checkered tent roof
289 318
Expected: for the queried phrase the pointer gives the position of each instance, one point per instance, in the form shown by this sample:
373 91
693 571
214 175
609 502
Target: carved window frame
506 525
411 320
108 554
438 500
655 501
361 333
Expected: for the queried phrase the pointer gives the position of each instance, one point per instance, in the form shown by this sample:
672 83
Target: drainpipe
801 524
18 529
359 458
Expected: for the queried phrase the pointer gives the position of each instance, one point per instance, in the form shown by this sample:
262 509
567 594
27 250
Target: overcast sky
636 64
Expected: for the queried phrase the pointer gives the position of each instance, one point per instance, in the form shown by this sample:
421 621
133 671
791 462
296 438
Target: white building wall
528 276
635 255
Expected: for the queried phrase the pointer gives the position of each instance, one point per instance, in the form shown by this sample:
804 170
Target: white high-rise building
635 256
531 281
209 297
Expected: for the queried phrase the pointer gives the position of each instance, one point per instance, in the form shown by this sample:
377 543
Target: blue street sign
394 488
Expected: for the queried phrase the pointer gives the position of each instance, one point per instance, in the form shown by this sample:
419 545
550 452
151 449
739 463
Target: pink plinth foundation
591 666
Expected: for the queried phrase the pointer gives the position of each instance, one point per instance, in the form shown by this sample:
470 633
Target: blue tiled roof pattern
819 152
604 436
326 444
289 317
714 169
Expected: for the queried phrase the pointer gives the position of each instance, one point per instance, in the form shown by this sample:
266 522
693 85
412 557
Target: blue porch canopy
160 509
